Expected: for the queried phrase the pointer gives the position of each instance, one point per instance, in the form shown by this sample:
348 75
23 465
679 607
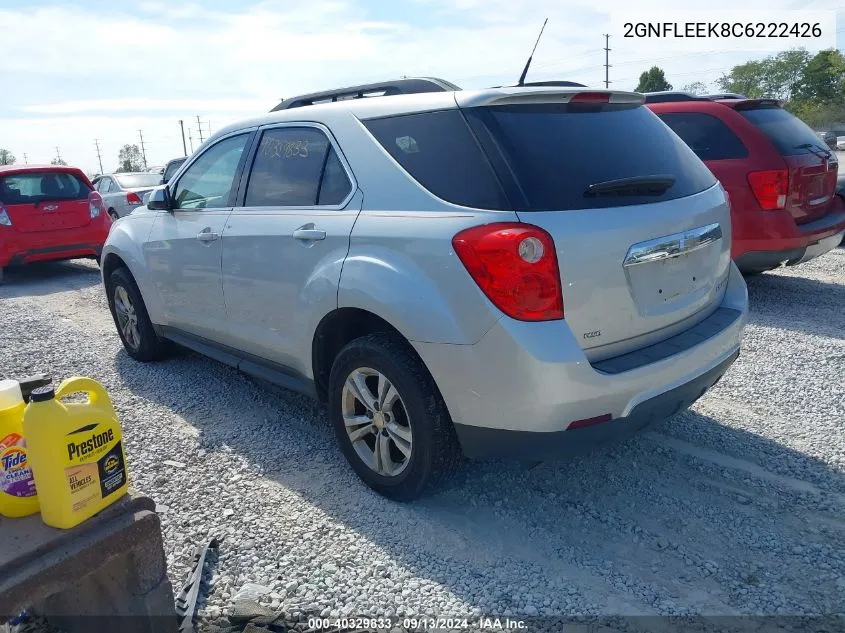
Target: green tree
6 157
784 73
696 88
58 160
129 158
747 79
823 79
653 80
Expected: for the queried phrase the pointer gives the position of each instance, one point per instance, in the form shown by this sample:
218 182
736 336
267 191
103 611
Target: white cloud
150 66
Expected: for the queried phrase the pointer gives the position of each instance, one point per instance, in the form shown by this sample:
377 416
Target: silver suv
517 272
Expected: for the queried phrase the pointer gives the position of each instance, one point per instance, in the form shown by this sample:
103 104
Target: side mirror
159 200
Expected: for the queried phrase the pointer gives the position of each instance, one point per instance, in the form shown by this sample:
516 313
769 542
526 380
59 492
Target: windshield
789 134
33 188
135 181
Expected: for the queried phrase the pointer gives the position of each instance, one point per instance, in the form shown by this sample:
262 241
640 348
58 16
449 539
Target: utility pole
25 161
184 146
99 158
190 138
143 149
606 60
199 128
58 154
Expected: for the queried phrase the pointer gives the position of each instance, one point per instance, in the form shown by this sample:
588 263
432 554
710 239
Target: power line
99 158
606 61
143 149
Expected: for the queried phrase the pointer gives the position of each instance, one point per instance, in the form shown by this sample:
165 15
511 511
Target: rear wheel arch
110 263
338 328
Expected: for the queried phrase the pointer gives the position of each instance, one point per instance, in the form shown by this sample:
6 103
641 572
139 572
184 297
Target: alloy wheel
376 421
127 317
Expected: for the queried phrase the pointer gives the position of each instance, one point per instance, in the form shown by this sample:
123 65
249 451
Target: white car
840 143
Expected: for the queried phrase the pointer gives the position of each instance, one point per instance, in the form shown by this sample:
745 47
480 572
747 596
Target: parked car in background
49 212
840 143
442 274
780 177
171 168
829 138
124 192
157 169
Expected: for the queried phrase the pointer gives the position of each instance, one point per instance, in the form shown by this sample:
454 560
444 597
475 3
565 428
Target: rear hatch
811 165
140 184
45 201
640 225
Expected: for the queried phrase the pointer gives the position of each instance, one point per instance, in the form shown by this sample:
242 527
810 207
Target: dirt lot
734 507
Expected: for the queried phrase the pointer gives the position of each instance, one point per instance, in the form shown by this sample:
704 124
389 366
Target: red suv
780 178
49 212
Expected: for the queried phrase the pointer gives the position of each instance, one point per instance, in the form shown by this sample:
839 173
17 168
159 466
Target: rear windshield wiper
655 185
823 152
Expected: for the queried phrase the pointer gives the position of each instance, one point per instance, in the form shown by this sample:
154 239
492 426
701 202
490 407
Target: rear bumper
526 383
482 443
777 240
17 249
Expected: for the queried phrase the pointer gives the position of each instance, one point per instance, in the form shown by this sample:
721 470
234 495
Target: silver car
124 192
515 272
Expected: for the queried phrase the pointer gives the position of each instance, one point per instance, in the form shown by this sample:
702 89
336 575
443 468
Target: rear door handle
310 235
207 236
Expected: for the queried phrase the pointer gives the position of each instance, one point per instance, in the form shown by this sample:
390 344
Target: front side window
296 167
208 182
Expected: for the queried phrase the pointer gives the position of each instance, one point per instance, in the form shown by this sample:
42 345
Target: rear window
37 187
559 154
789 134
706 135
135 181
172 168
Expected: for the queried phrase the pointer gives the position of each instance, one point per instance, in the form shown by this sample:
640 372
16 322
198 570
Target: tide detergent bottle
75 450
17 485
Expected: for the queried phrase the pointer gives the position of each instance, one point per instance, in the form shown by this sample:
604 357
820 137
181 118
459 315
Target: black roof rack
671 96
381 89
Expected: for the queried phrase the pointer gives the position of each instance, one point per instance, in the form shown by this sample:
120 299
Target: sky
73 72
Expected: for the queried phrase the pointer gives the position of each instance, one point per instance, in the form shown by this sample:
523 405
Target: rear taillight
133 198
95 205
5 220
515 266
770 188
590 97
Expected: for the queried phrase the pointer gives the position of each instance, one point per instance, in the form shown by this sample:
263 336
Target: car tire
113 215
1 275
127 307
418 413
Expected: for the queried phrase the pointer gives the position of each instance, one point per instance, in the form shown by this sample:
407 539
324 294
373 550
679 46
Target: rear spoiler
754 104
544 95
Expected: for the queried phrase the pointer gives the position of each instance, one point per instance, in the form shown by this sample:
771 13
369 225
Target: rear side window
172 168
789 134
296 167
438 150
706 135
560 155
41 186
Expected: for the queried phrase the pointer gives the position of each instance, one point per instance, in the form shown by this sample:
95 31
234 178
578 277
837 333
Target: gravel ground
734 507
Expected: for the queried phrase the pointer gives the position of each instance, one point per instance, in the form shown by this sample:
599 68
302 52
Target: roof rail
381 89
669 95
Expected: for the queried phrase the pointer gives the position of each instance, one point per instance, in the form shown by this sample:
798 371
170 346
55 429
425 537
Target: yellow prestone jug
17 486
75 451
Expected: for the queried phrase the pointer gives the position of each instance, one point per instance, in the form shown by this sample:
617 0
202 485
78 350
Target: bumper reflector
578 424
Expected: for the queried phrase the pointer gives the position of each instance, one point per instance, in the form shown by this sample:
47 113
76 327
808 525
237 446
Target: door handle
310 235
207 236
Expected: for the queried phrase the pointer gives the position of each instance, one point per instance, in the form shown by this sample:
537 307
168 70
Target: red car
780 178
49 212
